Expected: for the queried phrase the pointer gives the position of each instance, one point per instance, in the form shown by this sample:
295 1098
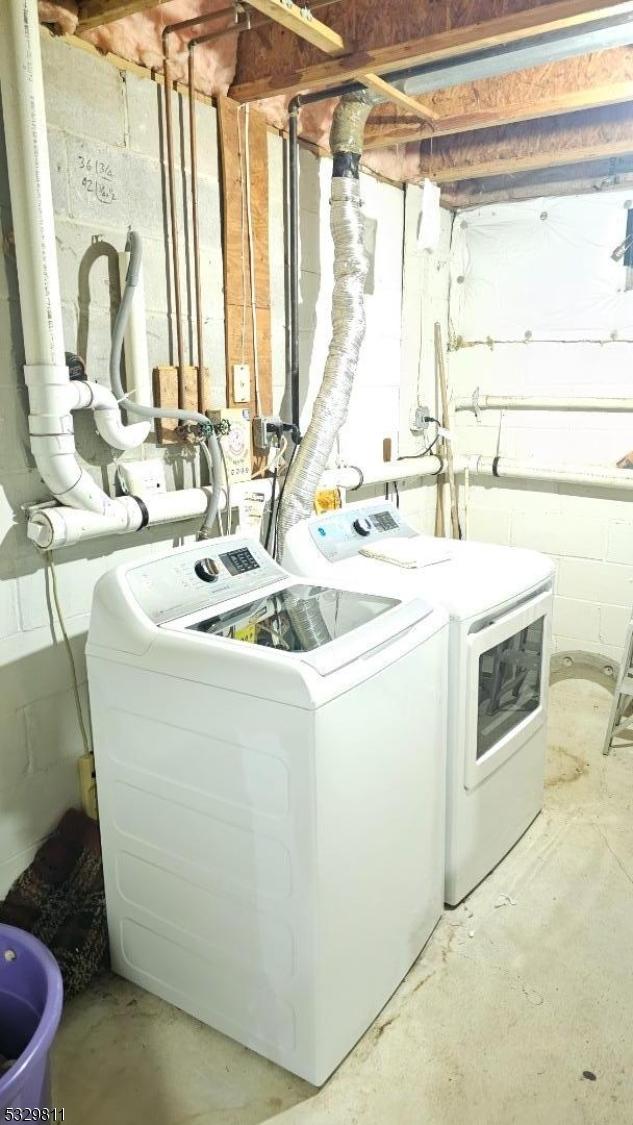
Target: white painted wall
104 137
538 306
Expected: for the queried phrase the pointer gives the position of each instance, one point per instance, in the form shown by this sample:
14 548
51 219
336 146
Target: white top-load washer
499 600
272 823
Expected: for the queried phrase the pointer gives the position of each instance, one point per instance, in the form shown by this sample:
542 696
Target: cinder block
613 623
58 163
30 809
572 644
88 264
15 761
95 87
9 616
15 456
620 542
586 580
578 619
566 534
145 117
52 728
488 526
100 185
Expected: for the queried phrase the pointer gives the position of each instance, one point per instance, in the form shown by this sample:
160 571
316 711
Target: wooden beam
302 23
260 73
413 106
94 13
569 139
600 79
588 177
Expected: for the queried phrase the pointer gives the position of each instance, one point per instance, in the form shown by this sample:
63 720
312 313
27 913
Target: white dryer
270 865
499 600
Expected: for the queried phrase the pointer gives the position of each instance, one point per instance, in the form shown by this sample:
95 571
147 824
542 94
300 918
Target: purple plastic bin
31 996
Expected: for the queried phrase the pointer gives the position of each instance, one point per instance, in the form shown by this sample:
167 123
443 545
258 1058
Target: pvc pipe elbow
108 420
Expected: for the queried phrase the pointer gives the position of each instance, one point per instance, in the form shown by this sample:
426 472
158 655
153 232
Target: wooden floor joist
266 70
600 79
94 13
568 139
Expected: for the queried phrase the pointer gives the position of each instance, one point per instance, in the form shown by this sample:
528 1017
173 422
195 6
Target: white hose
118 333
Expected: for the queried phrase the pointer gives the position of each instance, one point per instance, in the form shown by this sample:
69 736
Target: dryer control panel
342 534
193 578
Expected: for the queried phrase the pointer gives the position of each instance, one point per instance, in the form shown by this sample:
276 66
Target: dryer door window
509 684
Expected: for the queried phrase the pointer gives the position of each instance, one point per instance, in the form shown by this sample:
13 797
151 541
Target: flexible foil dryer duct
348 311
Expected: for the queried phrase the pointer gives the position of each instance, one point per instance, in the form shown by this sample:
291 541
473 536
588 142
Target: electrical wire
71 659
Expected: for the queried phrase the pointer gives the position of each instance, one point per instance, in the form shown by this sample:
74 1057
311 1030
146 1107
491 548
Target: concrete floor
522 990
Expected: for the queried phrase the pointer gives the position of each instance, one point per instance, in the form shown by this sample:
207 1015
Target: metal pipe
479 402
196 228
173 217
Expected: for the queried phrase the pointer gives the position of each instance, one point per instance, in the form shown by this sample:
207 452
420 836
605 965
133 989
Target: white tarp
543 270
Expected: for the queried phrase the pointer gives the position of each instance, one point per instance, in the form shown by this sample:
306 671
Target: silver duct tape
348 123
348 329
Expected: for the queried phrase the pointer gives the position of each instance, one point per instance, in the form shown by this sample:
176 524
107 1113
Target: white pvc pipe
600 476
137 368
108 420
514 402
50 420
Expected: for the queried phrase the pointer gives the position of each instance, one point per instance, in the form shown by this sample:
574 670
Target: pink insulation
60 16
139 38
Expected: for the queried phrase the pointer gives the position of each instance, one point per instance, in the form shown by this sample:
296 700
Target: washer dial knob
362 526
207 569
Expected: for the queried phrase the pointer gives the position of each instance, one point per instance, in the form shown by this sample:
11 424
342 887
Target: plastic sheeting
542 270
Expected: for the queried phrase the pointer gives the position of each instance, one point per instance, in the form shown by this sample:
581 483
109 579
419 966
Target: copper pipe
173 215
193 141
193 20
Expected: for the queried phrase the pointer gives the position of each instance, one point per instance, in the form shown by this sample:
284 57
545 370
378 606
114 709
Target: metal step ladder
623 694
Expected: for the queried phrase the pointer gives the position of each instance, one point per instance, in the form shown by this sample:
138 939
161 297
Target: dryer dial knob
207 569
362 526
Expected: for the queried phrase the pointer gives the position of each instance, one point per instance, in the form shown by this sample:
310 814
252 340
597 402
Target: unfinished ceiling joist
600 79
568 139
589 176
302 23
94 13
416 34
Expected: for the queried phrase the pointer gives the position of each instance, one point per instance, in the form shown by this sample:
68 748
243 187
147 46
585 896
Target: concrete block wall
538 306
107 174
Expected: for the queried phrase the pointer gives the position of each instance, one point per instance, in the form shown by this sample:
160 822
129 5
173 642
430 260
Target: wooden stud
94 13
429 44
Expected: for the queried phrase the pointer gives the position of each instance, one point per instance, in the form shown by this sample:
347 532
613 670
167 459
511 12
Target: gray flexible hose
135 248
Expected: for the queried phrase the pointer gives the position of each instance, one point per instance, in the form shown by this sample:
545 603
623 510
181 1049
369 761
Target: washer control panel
343 533
191 579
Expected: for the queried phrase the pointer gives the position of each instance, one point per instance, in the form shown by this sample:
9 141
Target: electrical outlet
417 423
241 382
262 436
142 478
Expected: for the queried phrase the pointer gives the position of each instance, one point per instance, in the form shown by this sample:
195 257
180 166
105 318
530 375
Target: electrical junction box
235 439
142 478
241 382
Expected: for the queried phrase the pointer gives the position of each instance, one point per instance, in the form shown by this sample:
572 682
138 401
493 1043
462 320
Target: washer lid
298 618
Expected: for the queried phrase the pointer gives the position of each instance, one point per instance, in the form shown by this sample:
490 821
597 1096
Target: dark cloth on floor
60 899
